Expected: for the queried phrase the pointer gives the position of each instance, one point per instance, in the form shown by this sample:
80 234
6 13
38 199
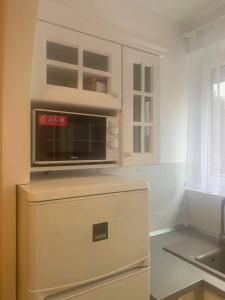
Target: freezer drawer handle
68 294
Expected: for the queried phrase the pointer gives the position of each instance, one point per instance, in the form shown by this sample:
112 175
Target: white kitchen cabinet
74 68
140 108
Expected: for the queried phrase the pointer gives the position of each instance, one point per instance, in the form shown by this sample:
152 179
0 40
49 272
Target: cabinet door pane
95 61
137 108
62 53
137 139
148 109
136 77
61 76
148 79
147 138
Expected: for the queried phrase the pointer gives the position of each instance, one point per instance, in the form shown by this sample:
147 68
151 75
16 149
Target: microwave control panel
113 139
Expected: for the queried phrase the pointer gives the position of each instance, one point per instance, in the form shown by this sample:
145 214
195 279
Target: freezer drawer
68 242
128 287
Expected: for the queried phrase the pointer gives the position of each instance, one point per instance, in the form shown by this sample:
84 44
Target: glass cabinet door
64 67
141 104
96 75
61 67
72 67
142 107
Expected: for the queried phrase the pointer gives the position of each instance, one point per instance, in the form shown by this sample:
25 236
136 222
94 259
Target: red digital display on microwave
52 120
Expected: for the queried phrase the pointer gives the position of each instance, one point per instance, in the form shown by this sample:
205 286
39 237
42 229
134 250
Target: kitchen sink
215 261
206 253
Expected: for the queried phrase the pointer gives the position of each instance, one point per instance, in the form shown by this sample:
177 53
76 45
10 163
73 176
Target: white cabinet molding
66 17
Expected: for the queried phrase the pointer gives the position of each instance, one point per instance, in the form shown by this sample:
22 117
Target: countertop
55 187
169 273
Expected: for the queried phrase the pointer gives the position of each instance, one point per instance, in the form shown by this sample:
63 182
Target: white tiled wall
167 205
203 211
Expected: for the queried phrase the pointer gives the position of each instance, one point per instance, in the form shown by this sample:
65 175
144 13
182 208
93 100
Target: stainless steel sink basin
204 252
215 261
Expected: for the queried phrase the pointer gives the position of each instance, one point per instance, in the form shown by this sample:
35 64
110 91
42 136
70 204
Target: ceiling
178 10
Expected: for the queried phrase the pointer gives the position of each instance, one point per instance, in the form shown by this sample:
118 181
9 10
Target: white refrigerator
83 238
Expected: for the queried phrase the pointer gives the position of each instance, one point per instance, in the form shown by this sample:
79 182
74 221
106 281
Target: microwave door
89 141
98 138
51 142
78 138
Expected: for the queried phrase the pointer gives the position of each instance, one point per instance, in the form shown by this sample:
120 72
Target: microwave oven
70 138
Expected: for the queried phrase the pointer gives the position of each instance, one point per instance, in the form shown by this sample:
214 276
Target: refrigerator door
69 242
129 287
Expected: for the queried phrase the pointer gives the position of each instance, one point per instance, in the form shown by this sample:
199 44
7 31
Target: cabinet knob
113 144
114 130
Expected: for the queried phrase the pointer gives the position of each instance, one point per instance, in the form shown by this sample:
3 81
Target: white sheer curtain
206 126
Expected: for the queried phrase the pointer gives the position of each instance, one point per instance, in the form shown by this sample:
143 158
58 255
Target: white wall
166 180
167 194
203 211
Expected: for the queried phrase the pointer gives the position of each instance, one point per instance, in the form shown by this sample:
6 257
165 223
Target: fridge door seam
142 263
67 294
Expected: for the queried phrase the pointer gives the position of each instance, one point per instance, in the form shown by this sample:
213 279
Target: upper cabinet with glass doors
75 68
140 111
